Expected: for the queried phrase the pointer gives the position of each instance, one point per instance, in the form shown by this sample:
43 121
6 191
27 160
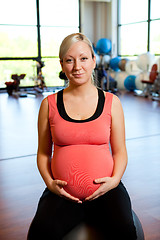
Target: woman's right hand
57 187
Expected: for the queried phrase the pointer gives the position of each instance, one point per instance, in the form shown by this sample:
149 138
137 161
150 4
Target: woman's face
78 63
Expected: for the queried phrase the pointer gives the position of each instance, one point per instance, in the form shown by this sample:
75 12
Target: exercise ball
103 46
120 77
84 231
138 225
114 63
145 61
132 68
141 76
129 82
122 64
105 61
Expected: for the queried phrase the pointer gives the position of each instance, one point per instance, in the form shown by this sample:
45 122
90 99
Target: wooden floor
21 185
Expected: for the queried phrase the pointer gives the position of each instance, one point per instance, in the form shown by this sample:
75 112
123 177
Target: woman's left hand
106 184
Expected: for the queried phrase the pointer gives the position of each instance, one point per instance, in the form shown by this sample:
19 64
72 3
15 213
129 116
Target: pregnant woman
81 154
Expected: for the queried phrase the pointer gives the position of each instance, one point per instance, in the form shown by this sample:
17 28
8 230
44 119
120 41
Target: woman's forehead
79 48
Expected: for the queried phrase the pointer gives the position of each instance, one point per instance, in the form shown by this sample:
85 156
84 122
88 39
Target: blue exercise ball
103 46
130 82
114 63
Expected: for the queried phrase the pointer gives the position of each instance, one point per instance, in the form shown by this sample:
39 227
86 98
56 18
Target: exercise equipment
108 79
122 64
103 46
120 77
103 78
98 60
143 75
105 61
131 68
114 63
13 86
156 89
102 70
149 89
129 82
145 61
86 232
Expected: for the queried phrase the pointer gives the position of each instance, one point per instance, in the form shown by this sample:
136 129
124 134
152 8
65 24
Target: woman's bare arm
44 154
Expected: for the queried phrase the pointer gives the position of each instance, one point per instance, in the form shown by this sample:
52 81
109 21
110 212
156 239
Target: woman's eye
69 60
84 58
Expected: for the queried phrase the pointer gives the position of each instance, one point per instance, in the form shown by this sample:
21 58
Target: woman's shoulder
50 96
44 105
114 97
116 106
47 104
50 99
47 100
114 101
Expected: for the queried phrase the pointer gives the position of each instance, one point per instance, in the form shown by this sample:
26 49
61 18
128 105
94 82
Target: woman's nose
77 64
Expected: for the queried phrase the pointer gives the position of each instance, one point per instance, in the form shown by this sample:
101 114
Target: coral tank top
81 147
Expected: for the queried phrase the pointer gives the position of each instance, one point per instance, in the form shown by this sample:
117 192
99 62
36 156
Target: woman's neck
81 90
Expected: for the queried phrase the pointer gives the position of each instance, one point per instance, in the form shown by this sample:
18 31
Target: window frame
148 21
39 56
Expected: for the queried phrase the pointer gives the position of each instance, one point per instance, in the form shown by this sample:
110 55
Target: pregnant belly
79 165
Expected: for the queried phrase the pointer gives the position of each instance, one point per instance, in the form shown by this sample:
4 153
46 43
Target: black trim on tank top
64 115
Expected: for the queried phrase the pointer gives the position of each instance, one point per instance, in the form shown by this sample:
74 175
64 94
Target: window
154 28
28 33
133 39
18 41
18 12
57 21
132 11
9 67
138 25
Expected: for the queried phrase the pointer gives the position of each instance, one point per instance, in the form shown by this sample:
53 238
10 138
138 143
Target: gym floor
21 185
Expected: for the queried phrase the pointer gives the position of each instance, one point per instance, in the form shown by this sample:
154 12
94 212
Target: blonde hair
69 40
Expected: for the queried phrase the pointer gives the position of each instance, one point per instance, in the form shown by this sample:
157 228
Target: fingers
106 184
100 191
61 184
70 197
95 195
100 180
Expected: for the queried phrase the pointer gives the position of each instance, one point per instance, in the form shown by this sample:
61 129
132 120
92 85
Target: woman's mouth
77 75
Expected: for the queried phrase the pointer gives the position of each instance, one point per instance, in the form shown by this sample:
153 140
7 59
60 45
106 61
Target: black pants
110 213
